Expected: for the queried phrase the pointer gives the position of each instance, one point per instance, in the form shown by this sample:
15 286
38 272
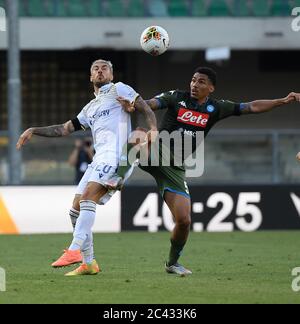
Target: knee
76 204
87 195
183 222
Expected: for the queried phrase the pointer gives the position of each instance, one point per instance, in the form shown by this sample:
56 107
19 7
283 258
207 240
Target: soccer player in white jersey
111 127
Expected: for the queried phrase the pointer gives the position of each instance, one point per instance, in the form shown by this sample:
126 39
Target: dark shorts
169 178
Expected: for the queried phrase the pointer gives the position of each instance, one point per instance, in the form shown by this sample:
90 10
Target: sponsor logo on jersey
210 108
191 117
189 133
103 113
182 103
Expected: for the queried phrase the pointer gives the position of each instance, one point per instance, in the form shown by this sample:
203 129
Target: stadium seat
136 8
60 8
157 8
260 8
240 8
199 8
115 8
178 8
280 8
77 8
95 8
36 8
218 8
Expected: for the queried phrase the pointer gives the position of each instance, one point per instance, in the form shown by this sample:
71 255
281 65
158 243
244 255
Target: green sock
175 251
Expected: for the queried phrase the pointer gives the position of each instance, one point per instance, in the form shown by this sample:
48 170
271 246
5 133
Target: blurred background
251 44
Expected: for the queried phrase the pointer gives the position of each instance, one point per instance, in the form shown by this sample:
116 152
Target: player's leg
83 236
173 188
91 195
83 229
88 247
75 210
180 207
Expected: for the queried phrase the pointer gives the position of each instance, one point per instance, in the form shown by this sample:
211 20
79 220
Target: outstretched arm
261 106
130 106
141 106
153 104
48 131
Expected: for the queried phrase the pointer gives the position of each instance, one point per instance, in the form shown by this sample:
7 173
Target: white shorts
100 173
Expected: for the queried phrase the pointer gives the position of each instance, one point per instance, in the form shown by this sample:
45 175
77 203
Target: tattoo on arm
143 107
55 130
246 108
153 104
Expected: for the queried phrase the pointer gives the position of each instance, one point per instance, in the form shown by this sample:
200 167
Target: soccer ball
155 40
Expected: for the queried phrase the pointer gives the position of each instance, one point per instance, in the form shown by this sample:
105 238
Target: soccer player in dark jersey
189 113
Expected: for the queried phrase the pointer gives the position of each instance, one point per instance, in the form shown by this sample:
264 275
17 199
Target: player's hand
126 104
24 138
298 156
293 96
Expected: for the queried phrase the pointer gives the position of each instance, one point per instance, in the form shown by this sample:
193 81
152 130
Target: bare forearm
261 106
54 131
152 103
150 118
142 106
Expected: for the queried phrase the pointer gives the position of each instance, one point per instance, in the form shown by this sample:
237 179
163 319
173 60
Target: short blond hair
105 62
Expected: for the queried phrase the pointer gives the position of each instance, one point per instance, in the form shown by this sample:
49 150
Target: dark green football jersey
186 115
184 112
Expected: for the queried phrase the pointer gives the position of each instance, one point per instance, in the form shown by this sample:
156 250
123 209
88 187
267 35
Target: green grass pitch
227 268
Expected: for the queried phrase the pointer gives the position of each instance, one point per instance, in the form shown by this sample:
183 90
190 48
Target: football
155 40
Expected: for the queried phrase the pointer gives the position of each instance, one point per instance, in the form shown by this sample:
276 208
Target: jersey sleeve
83 120
228 108
167 99
126 92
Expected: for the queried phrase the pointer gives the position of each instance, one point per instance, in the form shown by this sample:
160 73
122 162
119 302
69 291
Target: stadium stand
280 8
219 8
115 8
158 8
178 8
260 8
240 8
199 8
135 8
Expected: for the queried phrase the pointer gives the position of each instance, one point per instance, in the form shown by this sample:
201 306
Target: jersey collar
205 103
104 88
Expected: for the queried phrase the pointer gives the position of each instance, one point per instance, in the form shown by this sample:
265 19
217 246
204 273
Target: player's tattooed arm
48 131
261 106
128 106
154 103
141 106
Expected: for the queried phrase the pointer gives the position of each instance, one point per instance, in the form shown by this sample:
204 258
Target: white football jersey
109 123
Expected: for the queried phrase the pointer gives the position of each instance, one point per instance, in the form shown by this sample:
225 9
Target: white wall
185 33
46 209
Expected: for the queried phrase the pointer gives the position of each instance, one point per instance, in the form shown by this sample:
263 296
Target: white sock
88 249
84 224
88 246
74 214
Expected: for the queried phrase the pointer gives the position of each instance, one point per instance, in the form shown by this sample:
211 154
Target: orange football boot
85 269
68 258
